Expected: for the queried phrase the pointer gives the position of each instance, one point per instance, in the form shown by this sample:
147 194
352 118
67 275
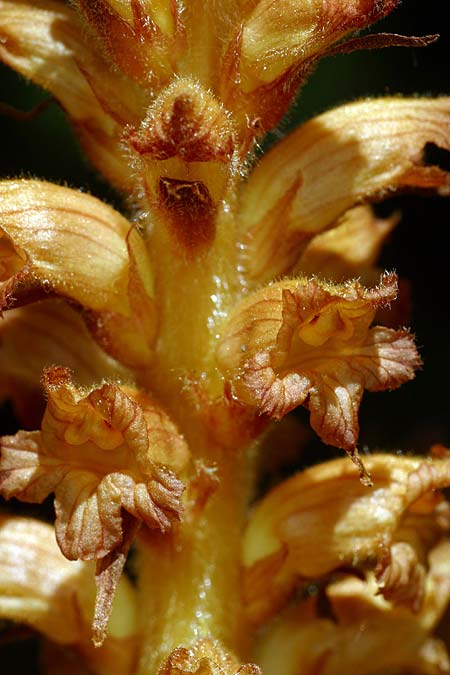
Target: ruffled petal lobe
305 342
113 449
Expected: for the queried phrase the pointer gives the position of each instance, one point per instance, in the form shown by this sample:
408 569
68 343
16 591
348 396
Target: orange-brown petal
45 41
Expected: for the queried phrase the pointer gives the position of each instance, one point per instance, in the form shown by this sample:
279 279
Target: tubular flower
390 529
304 341
363 632
110 452
152 353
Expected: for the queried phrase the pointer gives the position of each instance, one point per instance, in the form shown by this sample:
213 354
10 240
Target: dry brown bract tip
205 657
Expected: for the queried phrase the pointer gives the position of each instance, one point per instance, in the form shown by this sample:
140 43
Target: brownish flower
361 632
307 342
106 454
55 596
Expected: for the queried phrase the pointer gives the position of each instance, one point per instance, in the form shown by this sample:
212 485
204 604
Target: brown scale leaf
185 121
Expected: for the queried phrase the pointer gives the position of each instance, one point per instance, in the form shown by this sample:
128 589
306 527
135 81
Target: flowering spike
190 301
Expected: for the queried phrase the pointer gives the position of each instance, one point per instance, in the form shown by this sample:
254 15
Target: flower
390 529
306 342
362 633
227 300
108 457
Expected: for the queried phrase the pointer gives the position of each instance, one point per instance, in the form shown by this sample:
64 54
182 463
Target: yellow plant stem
190 580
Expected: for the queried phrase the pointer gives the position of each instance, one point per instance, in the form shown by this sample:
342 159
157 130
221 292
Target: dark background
416 415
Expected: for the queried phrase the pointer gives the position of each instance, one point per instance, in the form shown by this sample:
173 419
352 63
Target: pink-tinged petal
111 449
308 342
109 458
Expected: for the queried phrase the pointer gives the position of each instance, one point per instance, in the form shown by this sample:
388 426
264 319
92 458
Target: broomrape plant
166 346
